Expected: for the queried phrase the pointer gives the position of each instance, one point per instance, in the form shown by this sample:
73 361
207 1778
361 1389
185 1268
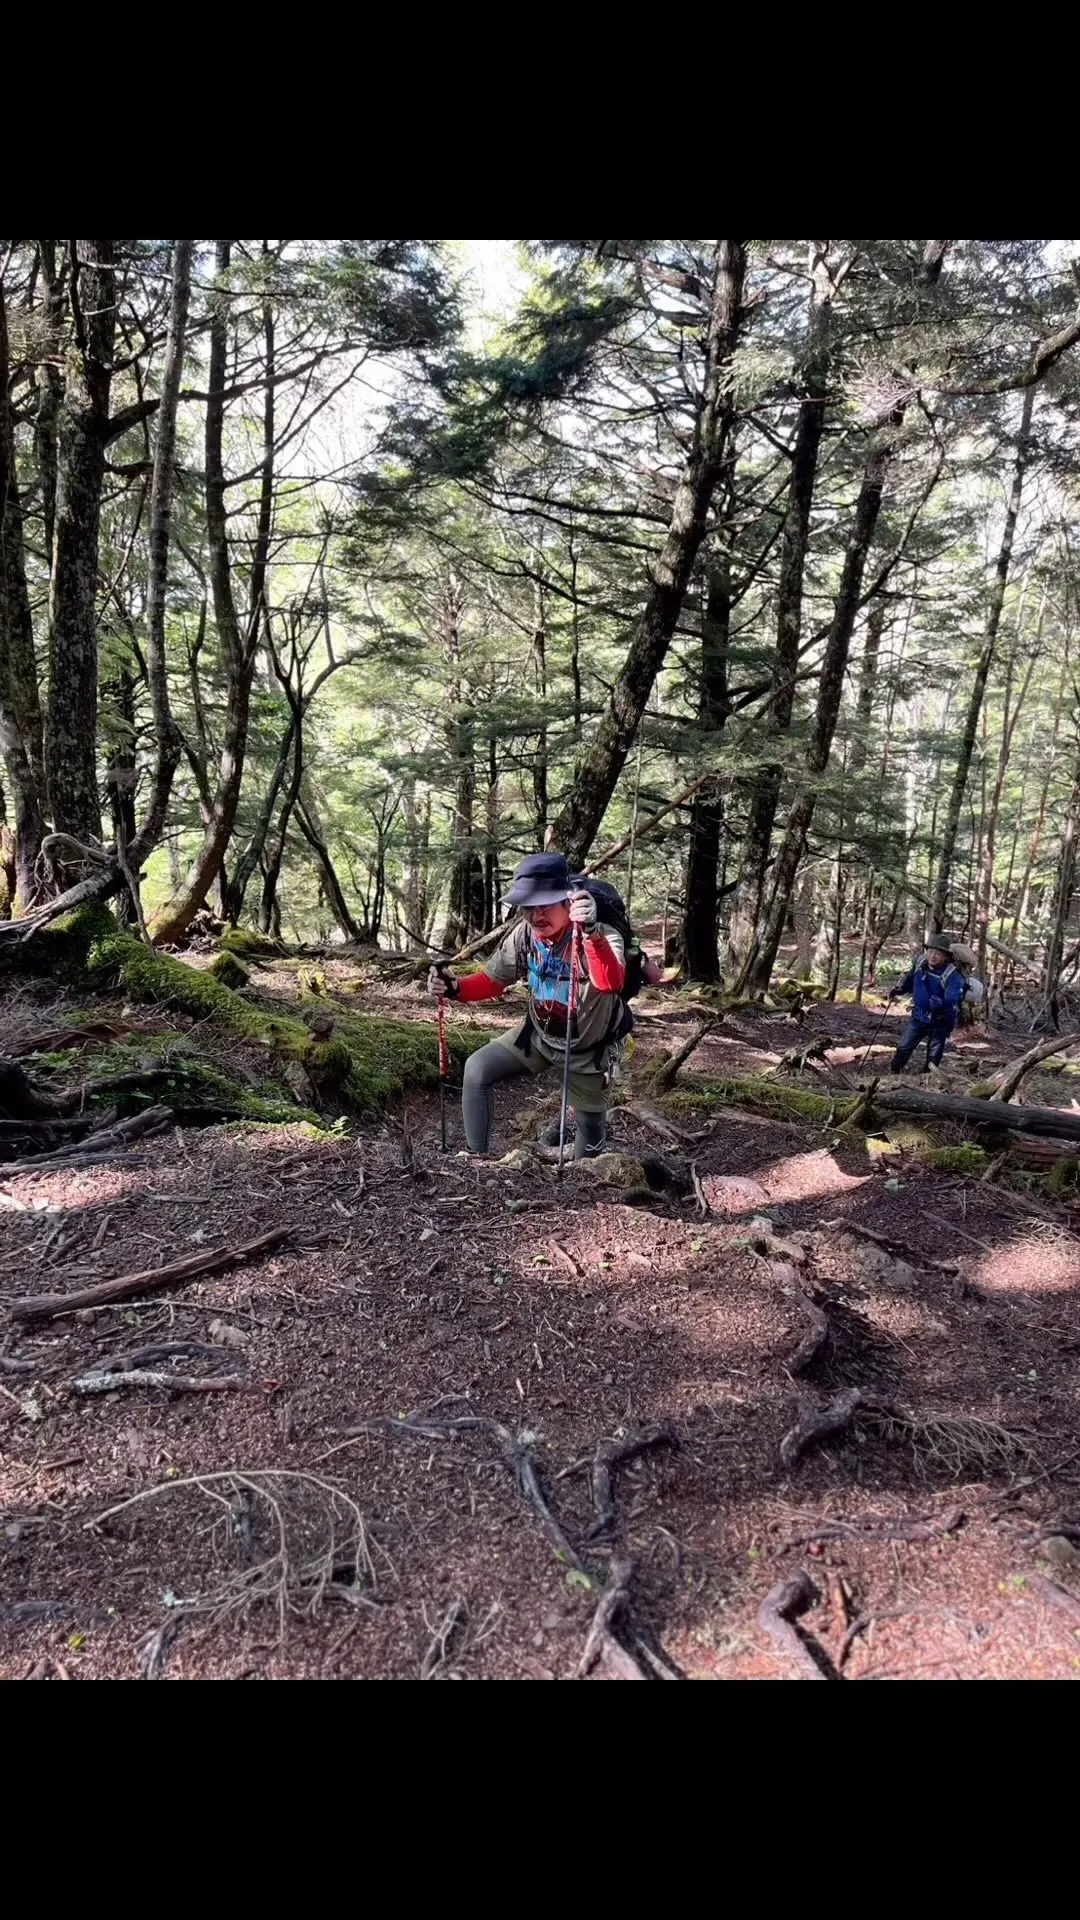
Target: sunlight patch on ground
64 1189
807 1176
1032 1265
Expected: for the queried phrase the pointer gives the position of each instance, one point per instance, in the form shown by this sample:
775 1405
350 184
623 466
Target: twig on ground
456 1615
864 1621
147 1377
699 1192
150 1356
320 1542
514 1454
660 1124
889 1242
788 1598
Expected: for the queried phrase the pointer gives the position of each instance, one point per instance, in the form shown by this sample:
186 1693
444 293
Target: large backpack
611 907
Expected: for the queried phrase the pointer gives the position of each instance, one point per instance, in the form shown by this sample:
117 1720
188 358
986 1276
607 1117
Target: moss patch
229 970
243 941
1064 1179
967 1158
384 1057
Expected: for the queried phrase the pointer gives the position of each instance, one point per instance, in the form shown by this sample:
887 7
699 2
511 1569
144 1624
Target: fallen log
95 1146
1009 1080
48 1306
1061 1121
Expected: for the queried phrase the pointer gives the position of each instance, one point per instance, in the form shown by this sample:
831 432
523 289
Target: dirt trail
416 1284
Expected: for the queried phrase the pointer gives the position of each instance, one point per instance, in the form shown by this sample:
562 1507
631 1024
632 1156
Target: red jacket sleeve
479 986
606 970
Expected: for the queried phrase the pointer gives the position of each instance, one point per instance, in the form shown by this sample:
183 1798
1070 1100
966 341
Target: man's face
937 959
548 923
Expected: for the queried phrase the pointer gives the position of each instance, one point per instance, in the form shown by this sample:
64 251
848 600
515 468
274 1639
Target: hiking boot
549 1137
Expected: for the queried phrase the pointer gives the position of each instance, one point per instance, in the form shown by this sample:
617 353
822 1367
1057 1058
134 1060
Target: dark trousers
935 1035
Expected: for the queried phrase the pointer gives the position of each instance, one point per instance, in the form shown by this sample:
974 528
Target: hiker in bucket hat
937 987
554 908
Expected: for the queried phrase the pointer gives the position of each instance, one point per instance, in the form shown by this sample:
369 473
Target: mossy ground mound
368 1060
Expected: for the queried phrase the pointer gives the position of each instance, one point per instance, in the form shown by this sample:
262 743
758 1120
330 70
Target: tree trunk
120 775
20 713
707 813
540 759
71 714
168 743
868 677
1063 895
50 393
238 647
764 788
596 776
804 929
252 854
275 844
982 670
757 968
308 823
1010 716
492 901
760 961
1040 819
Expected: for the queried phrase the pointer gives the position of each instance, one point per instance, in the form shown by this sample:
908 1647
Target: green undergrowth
367 1061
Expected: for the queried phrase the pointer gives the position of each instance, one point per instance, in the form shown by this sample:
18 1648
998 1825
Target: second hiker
539 950
937 987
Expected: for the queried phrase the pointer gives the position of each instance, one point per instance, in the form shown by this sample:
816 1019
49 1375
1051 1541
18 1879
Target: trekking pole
571 1009
877 1029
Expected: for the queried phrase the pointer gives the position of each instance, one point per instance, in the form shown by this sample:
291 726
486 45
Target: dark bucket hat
541 880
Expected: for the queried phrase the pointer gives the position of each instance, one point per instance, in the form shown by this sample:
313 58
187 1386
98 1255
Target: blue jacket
935 997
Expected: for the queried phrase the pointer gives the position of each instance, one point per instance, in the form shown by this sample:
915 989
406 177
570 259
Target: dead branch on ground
663 1075
48 1306
88 1383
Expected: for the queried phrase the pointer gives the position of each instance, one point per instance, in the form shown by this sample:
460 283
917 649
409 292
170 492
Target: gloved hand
442 984
583 910
936 1003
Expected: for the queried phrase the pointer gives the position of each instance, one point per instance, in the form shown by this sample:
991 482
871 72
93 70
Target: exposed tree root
872 1529
601 1641
816 1422
318 1542
815 1339
631 1660
786 1600
609 1455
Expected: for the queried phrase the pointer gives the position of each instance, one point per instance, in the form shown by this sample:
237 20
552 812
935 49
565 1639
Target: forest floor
284 1529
